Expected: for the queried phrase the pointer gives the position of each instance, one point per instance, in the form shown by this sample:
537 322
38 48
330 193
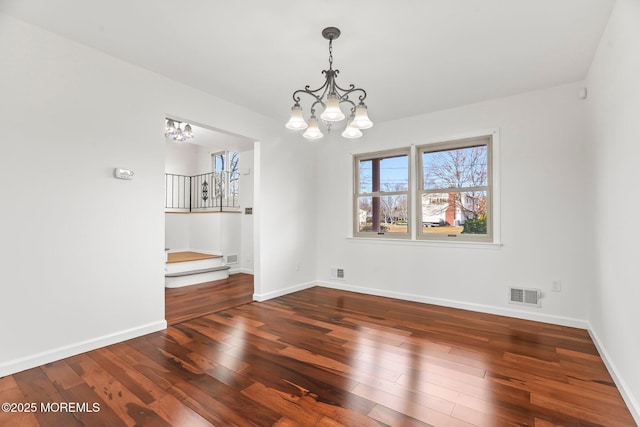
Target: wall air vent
525 296
337 273
232 259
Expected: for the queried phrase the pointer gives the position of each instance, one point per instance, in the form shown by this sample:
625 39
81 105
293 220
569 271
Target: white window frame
225 174
493 241
484 140
357 158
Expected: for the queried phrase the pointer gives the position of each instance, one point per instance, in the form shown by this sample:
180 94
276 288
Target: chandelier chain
331 54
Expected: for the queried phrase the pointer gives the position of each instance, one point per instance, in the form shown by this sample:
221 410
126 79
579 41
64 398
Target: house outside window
381 199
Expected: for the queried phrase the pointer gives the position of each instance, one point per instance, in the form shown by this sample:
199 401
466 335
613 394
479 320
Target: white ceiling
412 56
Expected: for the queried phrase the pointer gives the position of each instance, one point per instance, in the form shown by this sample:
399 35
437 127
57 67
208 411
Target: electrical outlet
556 285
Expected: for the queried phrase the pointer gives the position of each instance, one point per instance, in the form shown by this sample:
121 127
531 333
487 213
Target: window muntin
381 199
454 181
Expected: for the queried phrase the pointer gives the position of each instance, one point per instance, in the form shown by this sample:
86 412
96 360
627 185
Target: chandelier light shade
361 119
331 98
332 112
177 131
296 121
350 131
313 130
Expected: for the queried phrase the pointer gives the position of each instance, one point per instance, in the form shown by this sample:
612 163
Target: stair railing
197 192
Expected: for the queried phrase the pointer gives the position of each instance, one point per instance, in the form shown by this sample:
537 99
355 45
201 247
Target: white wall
544 209
181 158
614 129
286 231
82 253
216 232
211 232
177 232
246 183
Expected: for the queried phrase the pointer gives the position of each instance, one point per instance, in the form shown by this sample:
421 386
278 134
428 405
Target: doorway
208 211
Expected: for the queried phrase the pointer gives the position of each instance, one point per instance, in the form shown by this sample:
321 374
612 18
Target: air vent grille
232 259
337 273
525 296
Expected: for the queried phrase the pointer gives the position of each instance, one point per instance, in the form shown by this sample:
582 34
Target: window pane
457 168
218 165
234 176
387 214
366 183
394 173
384 174
455 212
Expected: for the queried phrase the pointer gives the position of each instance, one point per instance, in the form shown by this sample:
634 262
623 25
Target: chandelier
330 97
176 130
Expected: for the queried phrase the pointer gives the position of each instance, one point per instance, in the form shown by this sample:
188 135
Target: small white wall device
123 173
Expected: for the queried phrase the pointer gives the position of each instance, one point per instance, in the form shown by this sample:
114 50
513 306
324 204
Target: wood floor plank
163 403
188 256
326 357
11 393
37 388
61 375
190 302
114 394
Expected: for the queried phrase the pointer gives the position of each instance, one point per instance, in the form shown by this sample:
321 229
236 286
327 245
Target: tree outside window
455 190
225 167
382 196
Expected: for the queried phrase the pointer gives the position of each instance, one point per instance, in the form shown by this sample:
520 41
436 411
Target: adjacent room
419 213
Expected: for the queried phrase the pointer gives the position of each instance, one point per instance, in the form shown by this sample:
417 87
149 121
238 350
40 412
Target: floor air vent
232 259
524 296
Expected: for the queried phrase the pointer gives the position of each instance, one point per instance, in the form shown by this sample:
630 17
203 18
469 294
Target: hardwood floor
193 301
188 256
325 357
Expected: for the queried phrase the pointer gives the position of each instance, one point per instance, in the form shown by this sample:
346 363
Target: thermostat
123 173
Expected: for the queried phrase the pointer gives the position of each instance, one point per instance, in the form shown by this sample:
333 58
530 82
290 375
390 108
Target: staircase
190 268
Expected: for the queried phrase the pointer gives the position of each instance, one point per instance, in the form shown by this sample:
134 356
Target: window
225 167
381 200
452 189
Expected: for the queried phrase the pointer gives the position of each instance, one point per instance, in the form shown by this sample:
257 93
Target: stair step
203 270
173 257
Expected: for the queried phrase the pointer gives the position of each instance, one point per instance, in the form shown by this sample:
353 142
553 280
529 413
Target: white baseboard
623 388
18 365
519 314
281 292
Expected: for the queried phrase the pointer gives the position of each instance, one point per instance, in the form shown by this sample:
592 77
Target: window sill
428 243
